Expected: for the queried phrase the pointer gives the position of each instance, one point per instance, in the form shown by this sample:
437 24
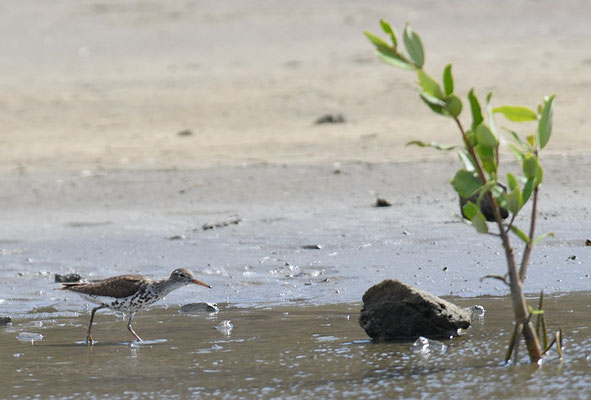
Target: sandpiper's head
184 276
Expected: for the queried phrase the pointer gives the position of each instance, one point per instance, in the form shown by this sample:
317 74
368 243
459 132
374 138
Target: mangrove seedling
483 197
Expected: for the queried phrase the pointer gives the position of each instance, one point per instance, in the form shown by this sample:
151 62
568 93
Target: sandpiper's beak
196 282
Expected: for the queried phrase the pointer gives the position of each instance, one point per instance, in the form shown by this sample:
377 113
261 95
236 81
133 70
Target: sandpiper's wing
117 286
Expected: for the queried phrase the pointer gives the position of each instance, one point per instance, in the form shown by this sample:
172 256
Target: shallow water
284 352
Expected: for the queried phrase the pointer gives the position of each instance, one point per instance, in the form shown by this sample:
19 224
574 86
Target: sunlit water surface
285 352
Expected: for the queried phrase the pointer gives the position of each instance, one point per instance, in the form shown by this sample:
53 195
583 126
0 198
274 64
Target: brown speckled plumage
129 293
117 286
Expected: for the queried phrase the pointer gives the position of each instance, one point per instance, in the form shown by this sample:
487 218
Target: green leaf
469 210
545 124
530 166
476 110
501 197
542 237
539 176
429 85
485 137
519 233
387 28
448 80
517 152
517 113
479 222
527 190
467 161
512 182
378 42
465 183
394 60
454 106
472 212
531 139
514 201
431 144
414 46
524 145
471 135
487 157
387 53
434 103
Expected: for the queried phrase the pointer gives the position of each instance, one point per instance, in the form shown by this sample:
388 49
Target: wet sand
150 222
286 352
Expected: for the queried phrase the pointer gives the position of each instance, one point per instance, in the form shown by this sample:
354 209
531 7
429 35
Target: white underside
125 304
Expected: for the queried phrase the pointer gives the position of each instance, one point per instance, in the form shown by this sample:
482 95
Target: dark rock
393 310
330 119
67 278
485 205
588 242
5 321
176 237
200 307
312 247
233 220
185 132
381 202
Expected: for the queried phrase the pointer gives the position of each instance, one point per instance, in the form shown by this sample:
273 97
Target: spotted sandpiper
129 293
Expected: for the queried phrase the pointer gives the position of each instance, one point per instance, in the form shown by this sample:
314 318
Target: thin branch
529 245
470 148
511 222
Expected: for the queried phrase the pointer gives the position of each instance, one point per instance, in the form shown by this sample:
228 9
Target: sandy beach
127 126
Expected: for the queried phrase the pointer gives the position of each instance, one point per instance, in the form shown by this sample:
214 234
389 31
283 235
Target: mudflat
138 137
127 127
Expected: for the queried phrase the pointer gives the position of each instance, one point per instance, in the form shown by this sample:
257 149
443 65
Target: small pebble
312 247
330 119
381 202
176 237
67 278
185 132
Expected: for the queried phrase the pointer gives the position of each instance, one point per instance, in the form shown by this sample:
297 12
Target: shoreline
107 223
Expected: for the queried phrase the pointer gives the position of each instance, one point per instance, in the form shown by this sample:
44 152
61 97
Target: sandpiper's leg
131 315
88 335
